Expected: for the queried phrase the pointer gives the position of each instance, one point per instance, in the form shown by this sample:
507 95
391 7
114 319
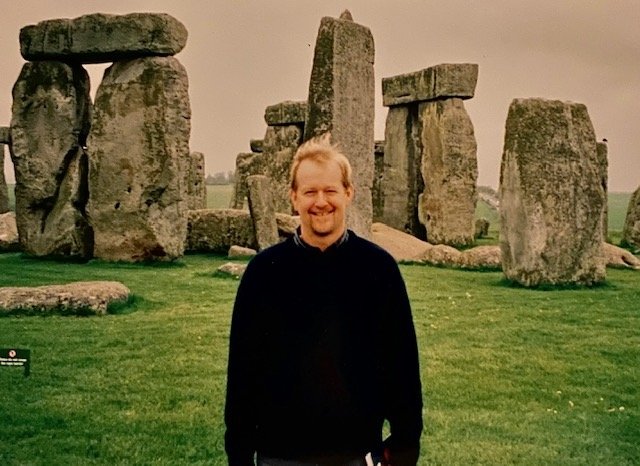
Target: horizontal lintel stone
442 81
103 38
286 113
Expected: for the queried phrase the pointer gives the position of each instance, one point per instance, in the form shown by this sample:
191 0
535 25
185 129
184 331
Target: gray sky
244 55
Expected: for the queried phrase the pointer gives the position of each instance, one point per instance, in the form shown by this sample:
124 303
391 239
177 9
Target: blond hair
320 150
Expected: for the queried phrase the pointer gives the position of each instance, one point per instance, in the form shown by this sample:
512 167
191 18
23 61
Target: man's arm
240 441
403 390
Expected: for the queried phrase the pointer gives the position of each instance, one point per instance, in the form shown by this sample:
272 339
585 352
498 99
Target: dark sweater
322 351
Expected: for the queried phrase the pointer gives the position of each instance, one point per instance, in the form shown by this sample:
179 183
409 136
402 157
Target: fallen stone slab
231 269
619 258
102 38
239 252
402 246
286 113
442 81
480 257
77 298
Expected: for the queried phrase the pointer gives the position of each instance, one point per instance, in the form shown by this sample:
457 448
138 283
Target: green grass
219 196
510 376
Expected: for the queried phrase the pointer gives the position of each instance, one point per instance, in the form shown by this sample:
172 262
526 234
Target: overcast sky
242 56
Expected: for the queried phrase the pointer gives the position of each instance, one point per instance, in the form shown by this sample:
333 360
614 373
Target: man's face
321 200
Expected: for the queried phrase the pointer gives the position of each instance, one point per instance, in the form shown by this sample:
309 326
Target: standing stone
631 230
450 170
412 135
263 214
101 38
196 187
377 195
49 126
5 135
247 164
341 101
280 146
603 165
402 181
139 152
551 195
4 189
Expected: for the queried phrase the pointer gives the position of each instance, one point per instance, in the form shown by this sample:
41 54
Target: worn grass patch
510 375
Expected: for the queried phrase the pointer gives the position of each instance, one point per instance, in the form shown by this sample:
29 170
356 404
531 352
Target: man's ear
350 191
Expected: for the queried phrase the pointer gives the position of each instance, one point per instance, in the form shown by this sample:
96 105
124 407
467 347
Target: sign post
16 357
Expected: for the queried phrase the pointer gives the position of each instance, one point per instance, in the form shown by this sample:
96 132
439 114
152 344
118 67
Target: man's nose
321 200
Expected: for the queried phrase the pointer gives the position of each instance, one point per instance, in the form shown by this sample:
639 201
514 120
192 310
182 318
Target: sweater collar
299 242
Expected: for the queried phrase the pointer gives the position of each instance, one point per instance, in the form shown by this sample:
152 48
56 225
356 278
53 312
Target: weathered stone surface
8 232
287 224
77 298
481 257
5 135
482 228
449 170
196 188
263 215
443 81
139 152
603 165
247 163
256 145
631 229
280 145
216 230
402 181
101 38
402 246
49 125
231 269
620 258
341 101
377 196
551 195
4 189
238 252
441 255
286 113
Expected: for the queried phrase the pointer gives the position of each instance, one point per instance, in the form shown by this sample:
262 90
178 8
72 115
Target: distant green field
219 197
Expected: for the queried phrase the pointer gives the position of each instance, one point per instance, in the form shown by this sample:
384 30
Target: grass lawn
510 376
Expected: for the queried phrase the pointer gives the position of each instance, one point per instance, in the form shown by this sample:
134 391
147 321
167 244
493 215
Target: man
322 346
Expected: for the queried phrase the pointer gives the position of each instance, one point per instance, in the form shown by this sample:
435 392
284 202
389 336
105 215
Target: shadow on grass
129 306
506 283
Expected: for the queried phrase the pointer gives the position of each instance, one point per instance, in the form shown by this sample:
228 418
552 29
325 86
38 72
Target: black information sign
15 357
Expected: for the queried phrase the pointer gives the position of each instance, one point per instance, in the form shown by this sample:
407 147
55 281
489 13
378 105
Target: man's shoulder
274 253
368 249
